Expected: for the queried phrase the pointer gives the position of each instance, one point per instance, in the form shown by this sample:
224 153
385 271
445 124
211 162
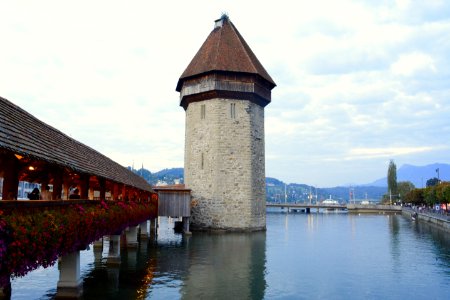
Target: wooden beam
84 186
102 182
57 183
124 193
10 169
115 191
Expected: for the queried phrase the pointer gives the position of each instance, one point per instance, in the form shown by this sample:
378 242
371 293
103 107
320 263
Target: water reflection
205 266
226 266
437 239
317 256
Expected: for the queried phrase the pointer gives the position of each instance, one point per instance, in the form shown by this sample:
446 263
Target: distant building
224 91
161 183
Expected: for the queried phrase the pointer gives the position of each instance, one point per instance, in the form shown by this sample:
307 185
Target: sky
358 82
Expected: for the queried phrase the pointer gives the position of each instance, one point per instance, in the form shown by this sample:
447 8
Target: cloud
412 63
358 82
359 153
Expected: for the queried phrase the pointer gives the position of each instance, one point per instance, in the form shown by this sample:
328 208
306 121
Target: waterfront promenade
431 216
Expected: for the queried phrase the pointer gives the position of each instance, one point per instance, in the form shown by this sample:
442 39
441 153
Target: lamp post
390 197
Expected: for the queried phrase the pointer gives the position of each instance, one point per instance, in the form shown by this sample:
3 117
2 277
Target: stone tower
224 91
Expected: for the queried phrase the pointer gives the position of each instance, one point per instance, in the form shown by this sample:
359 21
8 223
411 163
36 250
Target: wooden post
5 292
153 224
98 251
10 178
114 250
115 192
143 230
84 186
67 182
57 185
186 225
124 193
98 243
131 234
102 182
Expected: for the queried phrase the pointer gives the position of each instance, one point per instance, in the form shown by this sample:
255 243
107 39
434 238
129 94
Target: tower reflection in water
226 266
204 265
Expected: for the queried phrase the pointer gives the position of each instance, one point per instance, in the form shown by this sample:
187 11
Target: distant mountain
277 190
418 175
165 176
173 172
273 181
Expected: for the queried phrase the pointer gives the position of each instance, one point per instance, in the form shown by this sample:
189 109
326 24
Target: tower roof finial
223 18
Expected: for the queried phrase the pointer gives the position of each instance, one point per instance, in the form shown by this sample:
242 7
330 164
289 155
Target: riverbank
443 221
372 208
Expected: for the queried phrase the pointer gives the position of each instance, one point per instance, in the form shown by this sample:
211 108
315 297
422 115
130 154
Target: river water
315 256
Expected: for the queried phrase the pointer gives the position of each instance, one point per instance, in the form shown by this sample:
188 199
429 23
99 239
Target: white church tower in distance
224 91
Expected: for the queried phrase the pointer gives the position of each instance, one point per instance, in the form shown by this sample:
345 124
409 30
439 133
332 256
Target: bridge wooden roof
24 134
225 50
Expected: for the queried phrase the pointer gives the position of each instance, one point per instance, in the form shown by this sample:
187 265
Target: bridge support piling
114 250
186 225
98 254
5 292
131 256
131 235
308 210
153 224
98 243
69 283
143 230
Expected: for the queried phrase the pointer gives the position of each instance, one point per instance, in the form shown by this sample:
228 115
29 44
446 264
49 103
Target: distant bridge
357 208
307 205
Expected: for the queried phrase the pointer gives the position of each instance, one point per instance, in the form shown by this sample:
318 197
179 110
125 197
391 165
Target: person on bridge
46 194
34 195
75 194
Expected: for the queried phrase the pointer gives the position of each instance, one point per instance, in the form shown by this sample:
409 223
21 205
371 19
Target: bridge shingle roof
24 134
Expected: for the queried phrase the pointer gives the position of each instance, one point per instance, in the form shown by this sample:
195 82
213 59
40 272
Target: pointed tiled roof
224 50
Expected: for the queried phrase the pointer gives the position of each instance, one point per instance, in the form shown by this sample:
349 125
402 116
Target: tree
429 195
432 182
443 192
404 187
392 178
415 197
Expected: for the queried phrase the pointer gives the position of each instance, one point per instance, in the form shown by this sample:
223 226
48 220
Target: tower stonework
224 91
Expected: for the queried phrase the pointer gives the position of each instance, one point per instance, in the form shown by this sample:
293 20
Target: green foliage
414 197
392 178
432 182
430 195
443 192
404 187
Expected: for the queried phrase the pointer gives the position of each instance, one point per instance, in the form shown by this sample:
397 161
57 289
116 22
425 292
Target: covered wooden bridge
113 201
33 151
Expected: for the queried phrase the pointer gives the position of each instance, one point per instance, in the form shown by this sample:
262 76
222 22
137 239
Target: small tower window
233 110
202 111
